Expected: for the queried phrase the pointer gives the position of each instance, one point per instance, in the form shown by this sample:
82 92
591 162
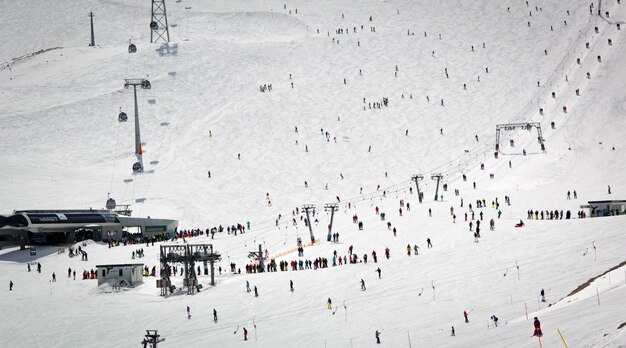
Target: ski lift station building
130 272
26 227
606 208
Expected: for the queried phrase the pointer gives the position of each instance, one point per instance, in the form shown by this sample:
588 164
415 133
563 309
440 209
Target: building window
121 272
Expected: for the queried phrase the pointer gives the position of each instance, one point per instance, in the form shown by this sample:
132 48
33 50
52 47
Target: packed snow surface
329 64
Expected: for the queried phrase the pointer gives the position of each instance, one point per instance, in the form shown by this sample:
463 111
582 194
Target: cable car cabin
154 25
122 117
132 48
145 84
137 168
111 204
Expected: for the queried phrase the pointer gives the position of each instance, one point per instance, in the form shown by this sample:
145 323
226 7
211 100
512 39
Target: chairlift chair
145 84
154 25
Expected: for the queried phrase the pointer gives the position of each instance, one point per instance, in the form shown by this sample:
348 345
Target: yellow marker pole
562 339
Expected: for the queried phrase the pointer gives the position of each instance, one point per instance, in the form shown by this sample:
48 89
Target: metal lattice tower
158 24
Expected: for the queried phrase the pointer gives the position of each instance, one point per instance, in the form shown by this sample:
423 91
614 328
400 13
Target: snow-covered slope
62 147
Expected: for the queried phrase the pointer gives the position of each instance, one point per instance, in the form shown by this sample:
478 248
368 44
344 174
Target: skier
330 303
408 249
214 315
377 337
209 172
256 293
247 286
245 334
38 267
363 285
466 316
291 285
415 249
188 312
10 285
54 277
537 325
609 189
429 243
453 334
28 265
543 296
495 320
379 271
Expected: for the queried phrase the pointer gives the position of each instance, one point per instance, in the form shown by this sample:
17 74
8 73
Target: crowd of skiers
552 215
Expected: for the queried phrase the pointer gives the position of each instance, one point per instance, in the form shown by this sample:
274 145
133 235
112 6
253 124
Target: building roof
607 202
61 211
120 265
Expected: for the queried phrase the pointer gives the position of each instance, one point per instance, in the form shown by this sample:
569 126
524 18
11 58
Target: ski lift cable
117 141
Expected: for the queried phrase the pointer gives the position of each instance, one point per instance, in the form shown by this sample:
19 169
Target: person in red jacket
537 325
465 315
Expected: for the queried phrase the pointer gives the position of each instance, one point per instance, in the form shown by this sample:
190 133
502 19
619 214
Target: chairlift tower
187 255
438 177
332 207
92 43
159 29
524 126
152 339
143 84
258 256
417 178
307 208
